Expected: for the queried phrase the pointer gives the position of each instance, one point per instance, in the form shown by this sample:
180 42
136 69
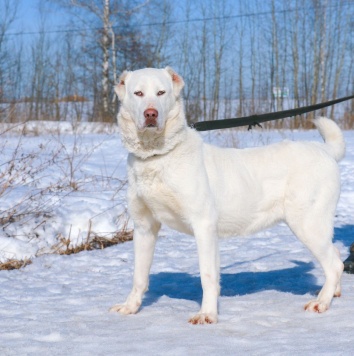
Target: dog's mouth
150 121
151 126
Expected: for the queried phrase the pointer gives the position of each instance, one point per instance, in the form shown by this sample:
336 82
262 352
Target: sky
28 18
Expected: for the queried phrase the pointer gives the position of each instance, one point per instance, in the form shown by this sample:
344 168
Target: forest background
60 59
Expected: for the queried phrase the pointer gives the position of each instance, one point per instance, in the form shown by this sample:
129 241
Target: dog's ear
120 87
177 80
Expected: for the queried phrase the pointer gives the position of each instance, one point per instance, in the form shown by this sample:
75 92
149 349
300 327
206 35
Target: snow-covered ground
59 305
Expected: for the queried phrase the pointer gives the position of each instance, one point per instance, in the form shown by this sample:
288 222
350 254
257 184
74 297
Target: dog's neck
149 143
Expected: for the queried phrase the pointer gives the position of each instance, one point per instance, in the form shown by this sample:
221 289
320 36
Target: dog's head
149 95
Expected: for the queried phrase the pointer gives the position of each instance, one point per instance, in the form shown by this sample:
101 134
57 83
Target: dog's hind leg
316 233
338 291
333 268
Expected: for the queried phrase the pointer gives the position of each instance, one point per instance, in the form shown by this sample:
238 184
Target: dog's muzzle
151 118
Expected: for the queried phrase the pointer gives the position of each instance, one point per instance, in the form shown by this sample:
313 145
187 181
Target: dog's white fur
209 192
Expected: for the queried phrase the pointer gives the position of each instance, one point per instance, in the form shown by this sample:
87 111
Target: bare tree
102 10
106 13
185 58
8 13
240 30
340 41
204 61
231 53
220 9
275 55
323 40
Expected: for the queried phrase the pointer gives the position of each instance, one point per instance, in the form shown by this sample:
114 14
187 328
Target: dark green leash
256 120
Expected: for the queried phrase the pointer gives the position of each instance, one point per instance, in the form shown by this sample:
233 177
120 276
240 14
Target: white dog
205 191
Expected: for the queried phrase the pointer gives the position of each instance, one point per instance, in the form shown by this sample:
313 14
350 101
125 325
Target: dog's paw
316 306
337 294
124 309
203 318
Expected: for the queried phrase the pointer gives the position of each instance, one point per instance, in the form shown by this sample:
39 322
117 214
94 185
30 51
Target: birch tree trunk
8 13
323 54
105 62
295 57
341 40
275 49
240 74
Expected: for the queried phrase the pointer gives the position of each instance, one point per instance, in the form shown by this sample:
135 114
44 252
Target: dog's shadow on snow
296 280
344 234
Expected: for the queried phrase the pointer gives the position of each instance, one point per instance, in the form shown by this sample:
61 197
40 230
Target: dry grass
14 264
64 248
102 242
94 242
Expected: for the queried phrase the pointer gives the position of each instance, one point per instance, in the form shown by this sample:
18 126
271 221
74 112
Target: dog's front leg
145 233
209 265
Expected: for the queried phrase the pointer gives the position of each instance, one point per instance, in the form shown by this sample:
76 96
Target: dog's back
251 186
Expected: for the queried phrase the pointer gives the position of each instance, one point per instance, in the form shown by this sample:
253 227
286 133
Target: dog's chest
148 179
153 185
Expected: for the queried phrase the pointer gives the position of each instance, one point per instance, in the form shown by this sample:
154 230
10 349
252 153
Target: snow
59 304
65 184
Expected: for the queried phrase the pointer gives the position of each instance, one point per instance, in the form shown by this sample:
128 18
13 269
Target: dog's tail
332 136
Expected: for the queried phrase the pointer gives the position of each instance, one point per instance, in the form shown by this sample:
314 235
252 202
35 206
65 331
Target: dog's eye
161 92
138 93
